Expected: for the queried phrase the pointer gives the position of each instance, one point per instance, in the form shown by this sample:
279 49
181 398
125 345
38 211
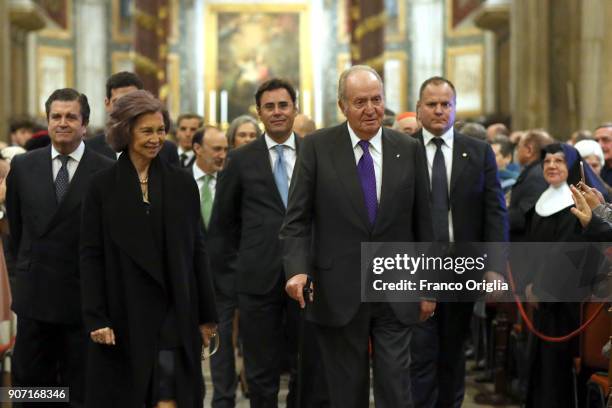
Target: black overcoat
125 287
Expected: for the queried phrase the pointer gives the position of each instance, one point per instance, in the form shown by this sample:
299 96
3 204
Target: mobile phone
582 179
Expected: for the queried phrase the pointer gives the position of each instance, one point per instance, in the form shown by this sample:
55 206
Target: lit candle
212 107
223 107
306 103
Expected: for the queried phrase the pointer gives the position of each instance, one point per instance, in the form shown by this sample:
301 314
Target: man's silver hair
347 72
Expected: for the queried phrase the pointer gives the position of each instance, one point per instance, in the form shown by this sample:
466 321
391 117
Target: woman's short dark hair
126 111
236 123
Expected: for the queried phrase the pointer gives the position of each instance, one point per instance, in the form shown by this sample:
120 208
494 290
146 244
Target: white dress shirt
447 152
188 153
199 175
72 163
375 152
289 153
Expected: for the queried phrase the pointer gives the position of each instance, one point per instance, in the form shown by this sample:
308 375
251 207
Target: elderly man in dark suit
118 85
356 182
467 206
530 183
210 148
45 188
249 210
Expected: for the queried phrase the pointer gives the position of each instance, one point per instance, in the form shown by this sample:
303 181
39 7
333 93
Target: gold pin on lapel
464 154
397 156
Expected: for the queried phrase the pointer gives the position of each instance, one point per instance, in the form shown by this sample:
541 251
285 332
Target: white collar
198 173
77 154
187 152
448 137
290 142
553 200
375 142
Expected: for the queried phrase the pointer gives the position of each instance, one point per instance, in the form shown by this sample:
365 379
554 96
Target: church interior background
529 63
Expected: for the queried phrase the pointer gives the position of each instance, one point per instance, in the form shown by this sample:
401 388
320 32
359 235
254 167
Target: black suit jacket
45 235
327 219
525 193
133 266
98 144
247 216
476 199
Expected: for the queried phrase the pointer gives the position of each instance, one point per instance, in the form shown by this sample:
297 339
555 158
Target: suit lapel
76 189
342 157
130 227
392 175
460 160
42 175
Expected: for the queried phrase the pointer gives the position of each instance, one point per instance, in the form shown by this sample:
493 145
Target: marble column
529 71
5 79
596 70
91 52
427 43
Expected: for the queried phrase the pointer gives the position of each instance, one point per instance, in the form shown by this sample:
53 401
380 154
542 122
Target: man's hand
208 331
295 288
490 277
428 307
582 210
105 335
531 297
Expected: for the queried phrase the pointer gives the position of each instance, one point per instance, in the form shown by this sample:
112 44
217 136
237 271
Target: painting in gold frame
60 17
396 80
395 30
121 61
456 13
465 68
55 70
122 21
258 41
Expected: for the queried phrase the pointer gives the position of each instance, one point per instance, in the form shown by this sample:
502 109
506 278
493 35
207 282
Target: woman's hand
208 331
582 210
105 335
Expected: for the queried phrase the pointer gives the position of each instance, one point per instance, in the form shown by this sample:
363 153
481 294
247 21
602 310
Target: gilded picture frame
60 16
465 68
251 53
451 30
55 70
396 15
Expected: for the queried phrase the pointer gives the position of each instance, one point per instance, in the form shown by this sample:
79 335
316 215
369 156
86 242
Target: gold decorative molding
59 33
399 28
55 70
465 68
457 32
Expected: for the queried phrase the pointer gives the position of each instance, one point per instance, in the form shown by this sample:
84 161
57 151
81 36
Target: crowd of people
128 252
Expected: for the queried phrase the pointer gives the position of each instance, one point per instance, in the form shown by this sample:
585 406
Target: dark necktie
183 159
61 180
439 193
367 177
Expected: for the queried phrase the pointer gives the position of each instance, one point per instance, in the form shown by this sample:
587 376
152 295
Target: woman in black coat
148 298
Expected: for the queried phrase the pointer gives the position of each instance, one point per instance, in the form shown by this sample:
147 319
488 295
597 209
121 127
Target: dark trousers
50 355
437 368
223 364
263 320
346 362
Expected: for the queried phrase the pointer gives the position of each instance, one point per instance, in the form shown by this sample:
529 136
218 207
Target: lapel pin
464 154
397 155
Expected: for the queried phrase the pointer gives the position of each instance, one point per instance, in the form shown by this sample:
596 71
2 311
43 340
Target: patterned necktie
206 200
365 168
183 158
280 174
439 193
61 180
